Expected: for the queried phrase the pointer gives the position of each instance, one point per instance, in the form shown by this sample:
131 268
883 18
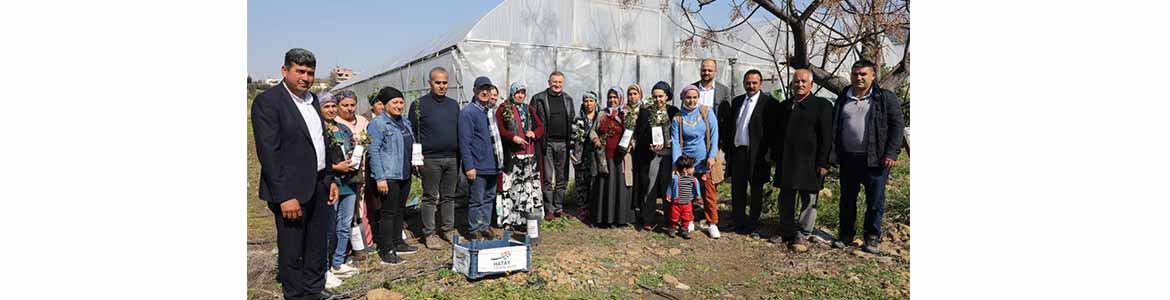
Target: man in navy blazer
290 143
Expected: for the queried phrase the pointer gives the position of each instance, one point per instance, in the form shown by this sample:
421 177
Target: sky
355 34
363 35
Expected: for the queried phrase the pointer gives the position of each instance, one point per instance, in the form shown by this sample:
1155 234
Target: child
684 188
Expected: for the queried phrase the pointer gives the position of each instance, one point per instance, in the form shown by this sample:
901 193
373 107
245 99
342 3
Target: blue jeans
479 205
855 173
344 208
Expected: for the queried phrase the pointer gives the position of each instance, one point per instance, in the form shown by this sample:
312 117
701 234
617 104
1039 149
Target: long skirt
611 201
521 192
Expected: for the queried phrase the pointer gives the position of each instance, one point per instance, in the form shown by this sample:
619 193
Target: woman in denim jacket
390 164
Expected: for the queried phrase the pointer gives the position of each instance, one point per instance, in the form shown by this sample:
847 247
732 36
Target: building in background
339 75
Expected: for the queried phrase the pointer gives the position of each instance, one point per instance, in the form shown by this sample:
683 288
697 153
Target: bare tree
863 28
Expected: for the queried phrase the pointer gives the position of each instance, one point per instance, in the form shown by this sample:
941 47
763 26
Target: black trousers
391 215
743 178
302 244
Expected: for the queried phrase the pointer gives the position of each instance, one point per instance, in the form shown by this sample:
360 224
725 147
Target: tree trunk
833 83
799 58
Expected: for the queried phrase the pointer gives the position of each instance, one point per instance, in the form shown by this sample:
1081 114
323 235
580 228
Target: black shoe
684 234
390 258
403 248
322 295
838 244
670 232
871 246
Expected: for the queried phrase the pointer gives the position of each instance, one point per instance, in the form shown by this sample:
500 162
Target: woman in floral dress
519 127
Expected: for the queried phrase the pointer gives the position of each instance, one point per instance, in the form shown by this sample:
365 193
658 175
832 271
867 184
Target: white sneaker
331 281
690 227
343 271
713 231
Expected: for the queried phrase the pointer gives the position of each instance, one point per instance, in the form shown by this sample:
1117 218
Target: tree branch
680 26
779 13
834 83
901 72
858 39
809 10
745 19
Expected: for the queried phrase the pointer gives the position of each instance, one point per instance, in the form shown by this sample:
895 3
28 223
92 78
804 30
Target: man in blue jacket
477 151
868 139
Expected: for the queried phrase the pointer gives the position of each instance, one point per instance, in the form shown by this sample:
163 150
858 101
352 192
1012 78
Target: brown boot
799 245
487 234
358 255
432 242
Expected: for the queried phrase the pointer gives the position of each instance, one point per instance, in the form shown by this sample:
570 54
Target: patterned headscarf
637 102
590 94
621 99
346 94
326 97
515 87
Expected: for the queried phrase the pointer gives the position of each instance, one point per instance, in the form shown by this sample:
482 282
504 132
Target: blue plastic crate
476 259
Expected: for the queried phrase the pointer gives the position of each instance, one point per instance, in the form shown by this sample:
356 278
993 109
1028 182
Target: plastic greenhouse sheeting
596 43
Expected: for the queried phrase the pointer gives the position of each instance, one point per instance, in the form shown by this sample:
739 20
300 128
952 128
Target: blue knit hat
665 87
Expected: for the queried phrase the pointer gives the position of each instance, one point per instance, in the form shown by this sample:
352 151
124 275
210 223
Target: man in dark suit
749 144
801 152
868 140
290 143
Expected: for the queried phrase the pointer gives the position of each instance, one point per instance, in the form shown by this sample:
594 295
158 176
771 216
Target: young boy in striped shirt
684 188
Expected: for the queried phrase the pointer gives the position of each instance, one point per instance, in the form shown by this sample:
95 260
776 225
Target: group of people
326 171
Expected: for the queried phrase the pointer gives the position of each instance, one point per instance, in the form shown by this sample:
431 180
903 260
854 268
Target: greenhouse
595 43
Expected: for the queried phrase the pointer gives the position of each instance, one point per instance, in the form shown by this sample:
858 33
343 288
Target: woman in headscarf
582 152
339 144
346 115
611 200
653 146
633 107
695 133
519 128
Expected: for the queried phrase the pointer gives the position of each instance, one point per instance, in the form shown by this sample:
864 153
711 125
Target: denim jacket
387 149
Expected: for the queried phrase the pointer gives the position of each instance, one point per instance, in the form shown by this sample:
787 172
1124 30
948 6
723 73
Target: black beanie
387 93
